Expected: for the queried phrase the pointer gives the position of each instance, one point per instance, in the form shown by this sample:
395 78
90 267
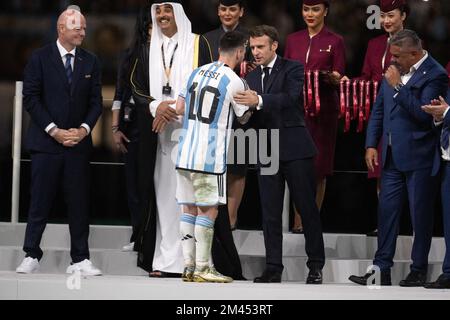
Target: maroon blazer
374 64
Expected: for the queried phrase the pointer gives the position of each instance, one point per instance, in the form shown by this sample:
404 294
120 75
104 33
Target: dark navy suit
445 194
281 111
410 161
49 98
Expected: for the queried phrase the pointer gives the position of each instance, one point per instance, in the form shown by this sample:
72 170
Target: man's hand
159 124
393 76
74 137
251 66
119 140
164 114
436 108
60 135
371 158
247 98
166 111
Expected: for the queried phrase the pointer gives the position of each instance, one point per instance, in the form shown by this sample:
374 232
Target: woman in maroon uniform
319 49
378 57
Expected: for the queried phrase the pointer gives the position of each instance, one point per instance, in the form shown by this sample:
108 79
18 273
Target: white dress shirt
445 153
270 66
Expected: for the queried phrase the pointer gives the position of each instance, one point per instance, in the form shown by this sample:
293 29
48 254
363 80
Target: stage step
56 260
114 262
346 254
57 236
248 242
334 271
347 246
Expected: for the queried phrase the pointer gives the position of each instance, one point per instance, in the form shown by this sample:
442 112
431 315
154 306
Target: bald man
62 94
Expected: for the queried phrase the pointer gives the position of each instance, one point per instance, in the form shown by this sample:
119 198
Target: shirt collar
228 30
167 40
271 64
416 67
323 30
63 51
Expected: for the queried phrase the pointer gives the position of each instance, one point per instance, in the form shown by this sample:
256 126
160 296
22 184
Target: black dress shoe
268 277
373 233
443 282
162 274
239 278
385 279
314 277
414 279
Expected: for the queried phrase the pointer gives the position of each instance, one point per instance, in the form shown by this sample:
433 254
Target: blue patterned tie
68 67
445 137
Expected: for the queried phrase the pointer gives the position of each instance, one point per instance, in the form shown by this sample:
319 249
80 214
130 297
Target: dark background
350 202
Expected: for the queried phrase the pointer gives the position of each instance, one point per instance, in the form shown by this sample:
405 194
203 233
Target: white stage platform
346 254
42 286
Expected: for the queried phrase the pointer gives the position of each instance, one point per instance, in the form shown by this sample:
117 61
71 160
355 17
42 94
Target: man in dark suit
440 111
62 94
277 94
410 158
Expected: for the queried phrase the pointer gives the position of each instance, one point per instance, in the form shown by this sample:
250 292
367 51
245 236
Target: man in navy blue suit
410 159
276 96
62 94
440 111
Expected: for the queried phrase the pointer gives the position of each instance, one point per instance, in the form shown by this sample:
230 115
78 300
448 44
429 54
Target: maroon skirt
323 130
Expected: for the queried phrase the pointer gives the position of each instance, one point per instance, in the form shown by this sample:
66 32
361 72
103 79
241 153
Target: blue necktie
445 137
68 67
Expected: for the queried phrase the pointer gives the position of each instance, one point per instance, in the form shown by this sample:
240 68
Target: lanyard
168 70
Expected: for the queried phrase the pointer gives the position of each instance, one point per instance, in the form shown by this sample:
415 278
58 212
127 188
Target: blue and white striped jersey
208 118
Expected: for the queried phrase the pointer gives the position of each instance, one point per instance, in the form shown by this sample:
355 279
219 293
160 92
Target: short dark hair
264 30
406 39
404 9
231 41
229 3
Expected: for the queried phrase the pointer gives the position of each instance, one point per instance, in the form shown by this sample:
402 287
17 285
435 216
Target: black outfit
213 37
224 253
130 128
281 97
147 145
52 95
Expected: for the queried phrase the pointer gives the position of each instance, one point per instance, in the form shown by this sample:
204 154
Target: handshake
68 138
